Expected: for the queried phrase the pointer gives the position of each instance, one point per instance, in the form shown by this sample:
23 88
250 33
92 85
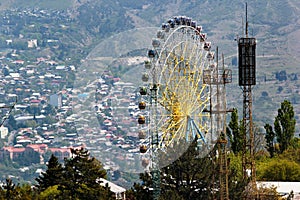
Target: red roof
18 61
14 150
38 147
116 79
59 150
63 149
35 101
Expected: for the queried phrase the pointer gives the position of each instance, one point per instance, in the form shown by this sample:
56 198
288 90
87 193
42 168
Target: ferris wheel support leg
201 138
156 183
155 174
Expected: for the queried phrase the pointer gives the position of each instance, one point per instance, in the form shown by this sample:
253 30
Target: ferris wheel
175 98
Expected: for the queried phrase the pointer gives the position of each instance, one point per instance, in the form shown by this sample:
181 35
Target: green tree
26 192
10 189
284 125
236 184
50 193
234 133
268 193
189 177
28 157
50 110
270 136
52 176
280 170
141 191
11 123
81 177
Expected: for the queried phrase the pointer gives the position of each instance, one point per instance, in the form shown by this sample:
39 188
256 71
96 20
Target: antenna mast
246 29
247 78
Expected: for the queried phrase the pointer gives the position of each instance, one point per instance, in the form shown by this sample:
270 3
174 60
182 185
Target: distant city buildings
56 100
14 152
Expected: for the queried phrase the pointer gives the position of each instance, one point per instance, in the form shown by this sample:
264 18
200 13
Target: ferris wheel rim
182 53
178 96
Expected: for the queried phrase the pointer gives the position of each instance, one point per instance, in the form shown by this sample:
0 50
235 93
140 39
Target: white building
3 132
56 100
117 190
283 188
32 43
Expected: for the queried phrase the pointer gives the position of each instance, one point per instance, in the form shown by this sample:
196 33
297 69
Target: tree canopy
234 133
81 176
284 125
270 136
78 178
52 175
284 129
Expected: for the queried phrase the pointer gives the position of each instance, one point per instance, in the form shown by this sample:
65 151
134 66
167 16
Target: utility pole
217 79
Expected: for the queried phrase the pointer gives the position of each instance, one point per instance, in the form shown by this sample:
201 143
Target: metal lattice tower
248 136
247 78
219 78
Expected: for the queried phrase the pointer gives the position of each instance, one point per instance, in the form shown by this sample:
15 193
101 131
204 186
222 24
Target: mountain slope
275 24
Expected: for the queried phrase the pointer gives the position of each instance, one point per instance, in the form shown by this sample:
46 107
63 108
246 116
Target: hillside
275 24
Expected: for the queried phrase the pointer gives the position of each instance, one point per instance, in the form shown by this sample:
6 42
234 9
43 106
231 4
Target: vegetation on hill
191 177
78 178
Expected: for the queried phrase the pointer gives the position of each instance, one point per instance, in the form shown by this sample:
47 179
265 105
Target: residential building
56 100
3 132
116 189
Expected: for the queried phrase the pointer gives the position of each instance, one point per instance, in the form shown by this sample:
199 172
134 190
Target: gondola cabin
210 55
143 148
142 105
155 43
145 77
141 119
142 134
160 34
145 162
151 53
207 46
147 64
202 37
143 90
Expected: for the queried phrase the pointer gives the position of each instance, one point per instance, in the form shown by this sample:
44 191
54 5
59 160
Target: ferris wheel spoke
200 103
167 66
171 130
178 133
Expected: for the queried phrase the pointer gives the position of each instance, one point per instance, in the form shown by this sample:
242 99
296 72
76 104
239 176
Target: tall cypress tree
270 135
235 134
52 176
284 125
